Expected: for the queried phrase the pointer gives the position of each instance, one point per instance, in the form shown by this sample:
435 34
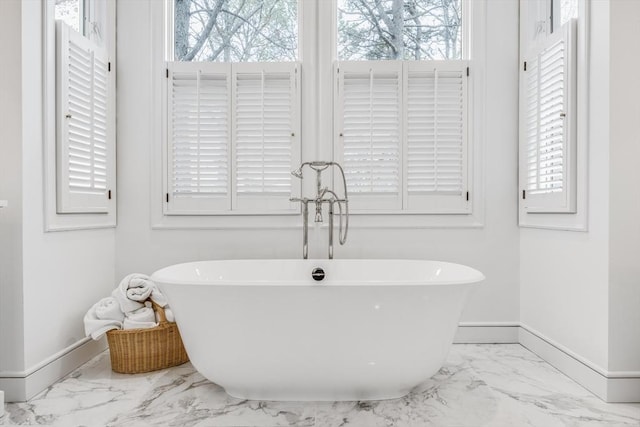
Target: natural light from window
236 30
399 29
568 10
69 12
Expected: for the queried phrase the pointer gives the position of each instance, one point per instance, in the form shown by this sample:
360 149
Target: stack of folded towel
127 307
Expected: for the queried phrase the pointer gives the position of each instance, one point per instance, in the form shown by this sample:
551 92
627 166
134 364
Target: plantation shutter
369 141
402 135
266 135
198 138
548 125
85 145
436 136
233 138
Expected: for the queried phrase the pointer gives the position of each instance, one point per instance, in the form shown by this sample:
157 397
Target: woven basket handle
160 311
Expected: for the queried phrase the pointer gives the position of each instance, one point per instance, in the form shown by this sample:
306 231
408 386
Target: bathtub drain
317 274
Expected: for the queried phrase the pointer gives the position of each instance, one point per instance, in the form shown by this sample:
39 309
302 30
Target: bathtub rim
480 277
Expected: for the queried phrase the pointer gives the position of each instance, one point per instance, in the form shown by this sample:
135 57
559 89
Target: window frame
539 11
54 221
316 56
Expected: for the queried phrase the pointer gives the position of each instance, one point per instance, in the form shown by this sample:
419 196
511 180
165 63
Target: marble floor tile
479 385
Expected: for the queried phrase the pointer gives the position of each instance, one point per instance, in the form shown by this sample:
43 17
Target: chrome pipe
331 229
305 230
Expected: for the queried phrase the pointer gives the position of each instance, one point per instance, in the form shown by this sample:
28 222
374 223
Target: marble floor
479 385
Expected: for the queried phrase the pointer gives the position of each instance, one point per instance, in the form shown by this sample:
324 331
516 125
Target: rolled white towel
141 318
127 305
139 287
94 325
135 289
142 288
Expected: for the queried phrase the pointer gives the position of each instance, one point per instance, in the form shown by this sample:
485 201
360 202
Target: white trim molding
610 386
20 386
487 333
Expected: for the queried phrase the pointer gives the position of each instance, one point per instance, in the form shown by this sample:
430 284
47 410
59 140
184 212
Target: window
399 112
401 124
568 10
78 98
233 117
548 123
84 119
235 30
234 137
85 17
71 12
399 29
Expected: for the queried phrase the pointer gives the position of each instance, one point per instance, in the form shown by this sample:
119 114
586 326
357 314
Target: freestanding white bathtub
266 330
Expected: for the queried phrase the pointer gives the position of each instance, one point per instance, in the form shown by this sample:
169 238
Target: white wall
64 272
581 290
564 274
490 248
54 277
624 187
11 348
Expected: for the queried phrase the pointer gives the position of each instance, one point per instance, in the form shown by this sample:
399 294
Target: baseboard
487 333
22 386
610 386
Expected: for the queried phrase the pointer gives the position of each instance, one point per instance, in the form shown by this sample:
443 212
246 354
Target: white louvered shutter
85 144
436 137
266 136
548 125
369 124
198 138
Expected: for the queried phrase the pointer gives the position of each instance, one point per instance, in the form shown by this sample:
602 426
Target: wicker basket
143 350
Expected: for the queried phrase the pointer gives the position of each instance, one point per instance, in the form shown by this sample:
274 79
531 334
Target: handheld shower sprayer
297 173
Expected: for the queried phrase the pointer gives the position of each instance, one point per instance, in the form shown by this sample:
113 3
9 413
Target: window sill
405 220
73 222
294 221
558 222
